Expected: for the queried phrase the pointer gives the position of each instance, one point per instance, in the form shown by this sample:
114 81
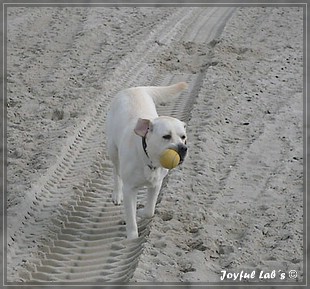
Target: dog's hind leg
117 195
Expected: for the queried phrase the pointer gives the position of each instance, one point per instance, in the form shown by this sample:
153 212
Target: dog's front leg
130 206
152 195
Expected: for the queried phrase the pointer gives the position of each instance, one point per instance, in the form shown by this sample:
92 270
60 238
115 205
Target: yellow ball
169 159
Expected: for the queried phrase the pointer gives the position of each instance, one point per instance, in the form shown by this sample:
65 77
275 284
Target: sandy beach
233 212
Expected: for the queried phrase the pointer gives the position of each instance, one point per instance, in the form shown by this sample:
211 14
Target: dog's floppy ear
142 126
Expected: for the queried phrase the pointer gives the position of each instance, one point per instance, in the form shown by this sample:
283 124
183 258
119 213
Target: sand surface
237 201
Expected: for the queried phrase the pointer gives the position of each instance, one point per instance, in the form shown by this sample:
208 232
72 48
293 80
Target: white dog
137 136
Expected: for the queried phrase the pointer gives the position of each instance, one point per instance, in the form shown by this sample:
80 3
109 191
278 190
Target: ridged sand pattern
78 234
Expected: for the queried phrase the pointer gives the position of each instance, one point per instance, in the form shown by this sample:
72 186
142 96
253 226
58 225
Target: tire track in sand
43 203
80 234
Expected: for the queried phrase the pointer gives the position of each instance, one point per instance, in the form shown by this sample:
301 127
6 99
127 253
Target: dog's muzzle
182 151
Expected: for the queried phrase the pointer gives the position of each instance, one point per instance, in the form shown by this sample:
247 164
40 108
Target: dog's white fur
131 117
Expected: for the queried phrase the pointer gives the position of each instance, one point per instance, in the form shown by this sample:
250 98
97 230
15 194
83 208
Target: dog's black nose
182 150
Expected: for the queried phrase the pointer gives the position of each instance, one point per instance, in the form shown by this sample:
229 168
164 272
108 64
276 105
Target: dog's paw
145 214
116 203
117 199
132 235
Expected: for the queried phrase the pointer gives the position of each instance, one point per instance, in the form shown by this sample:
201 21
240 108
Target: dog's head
163 133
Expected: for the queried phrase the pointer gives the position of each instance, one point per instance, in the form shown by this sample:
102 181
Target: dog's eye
167 136
183 137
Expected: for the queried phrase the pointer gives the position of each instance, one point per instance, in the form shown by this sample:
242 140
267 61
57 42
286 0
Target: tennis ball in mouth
169 159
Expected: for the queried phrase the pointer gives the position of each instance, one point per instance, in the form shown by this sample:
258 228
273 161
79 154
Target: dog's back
162 93
137 102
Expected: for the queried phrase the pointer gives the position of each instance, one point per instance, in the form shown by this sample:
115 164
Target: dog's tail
160 94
